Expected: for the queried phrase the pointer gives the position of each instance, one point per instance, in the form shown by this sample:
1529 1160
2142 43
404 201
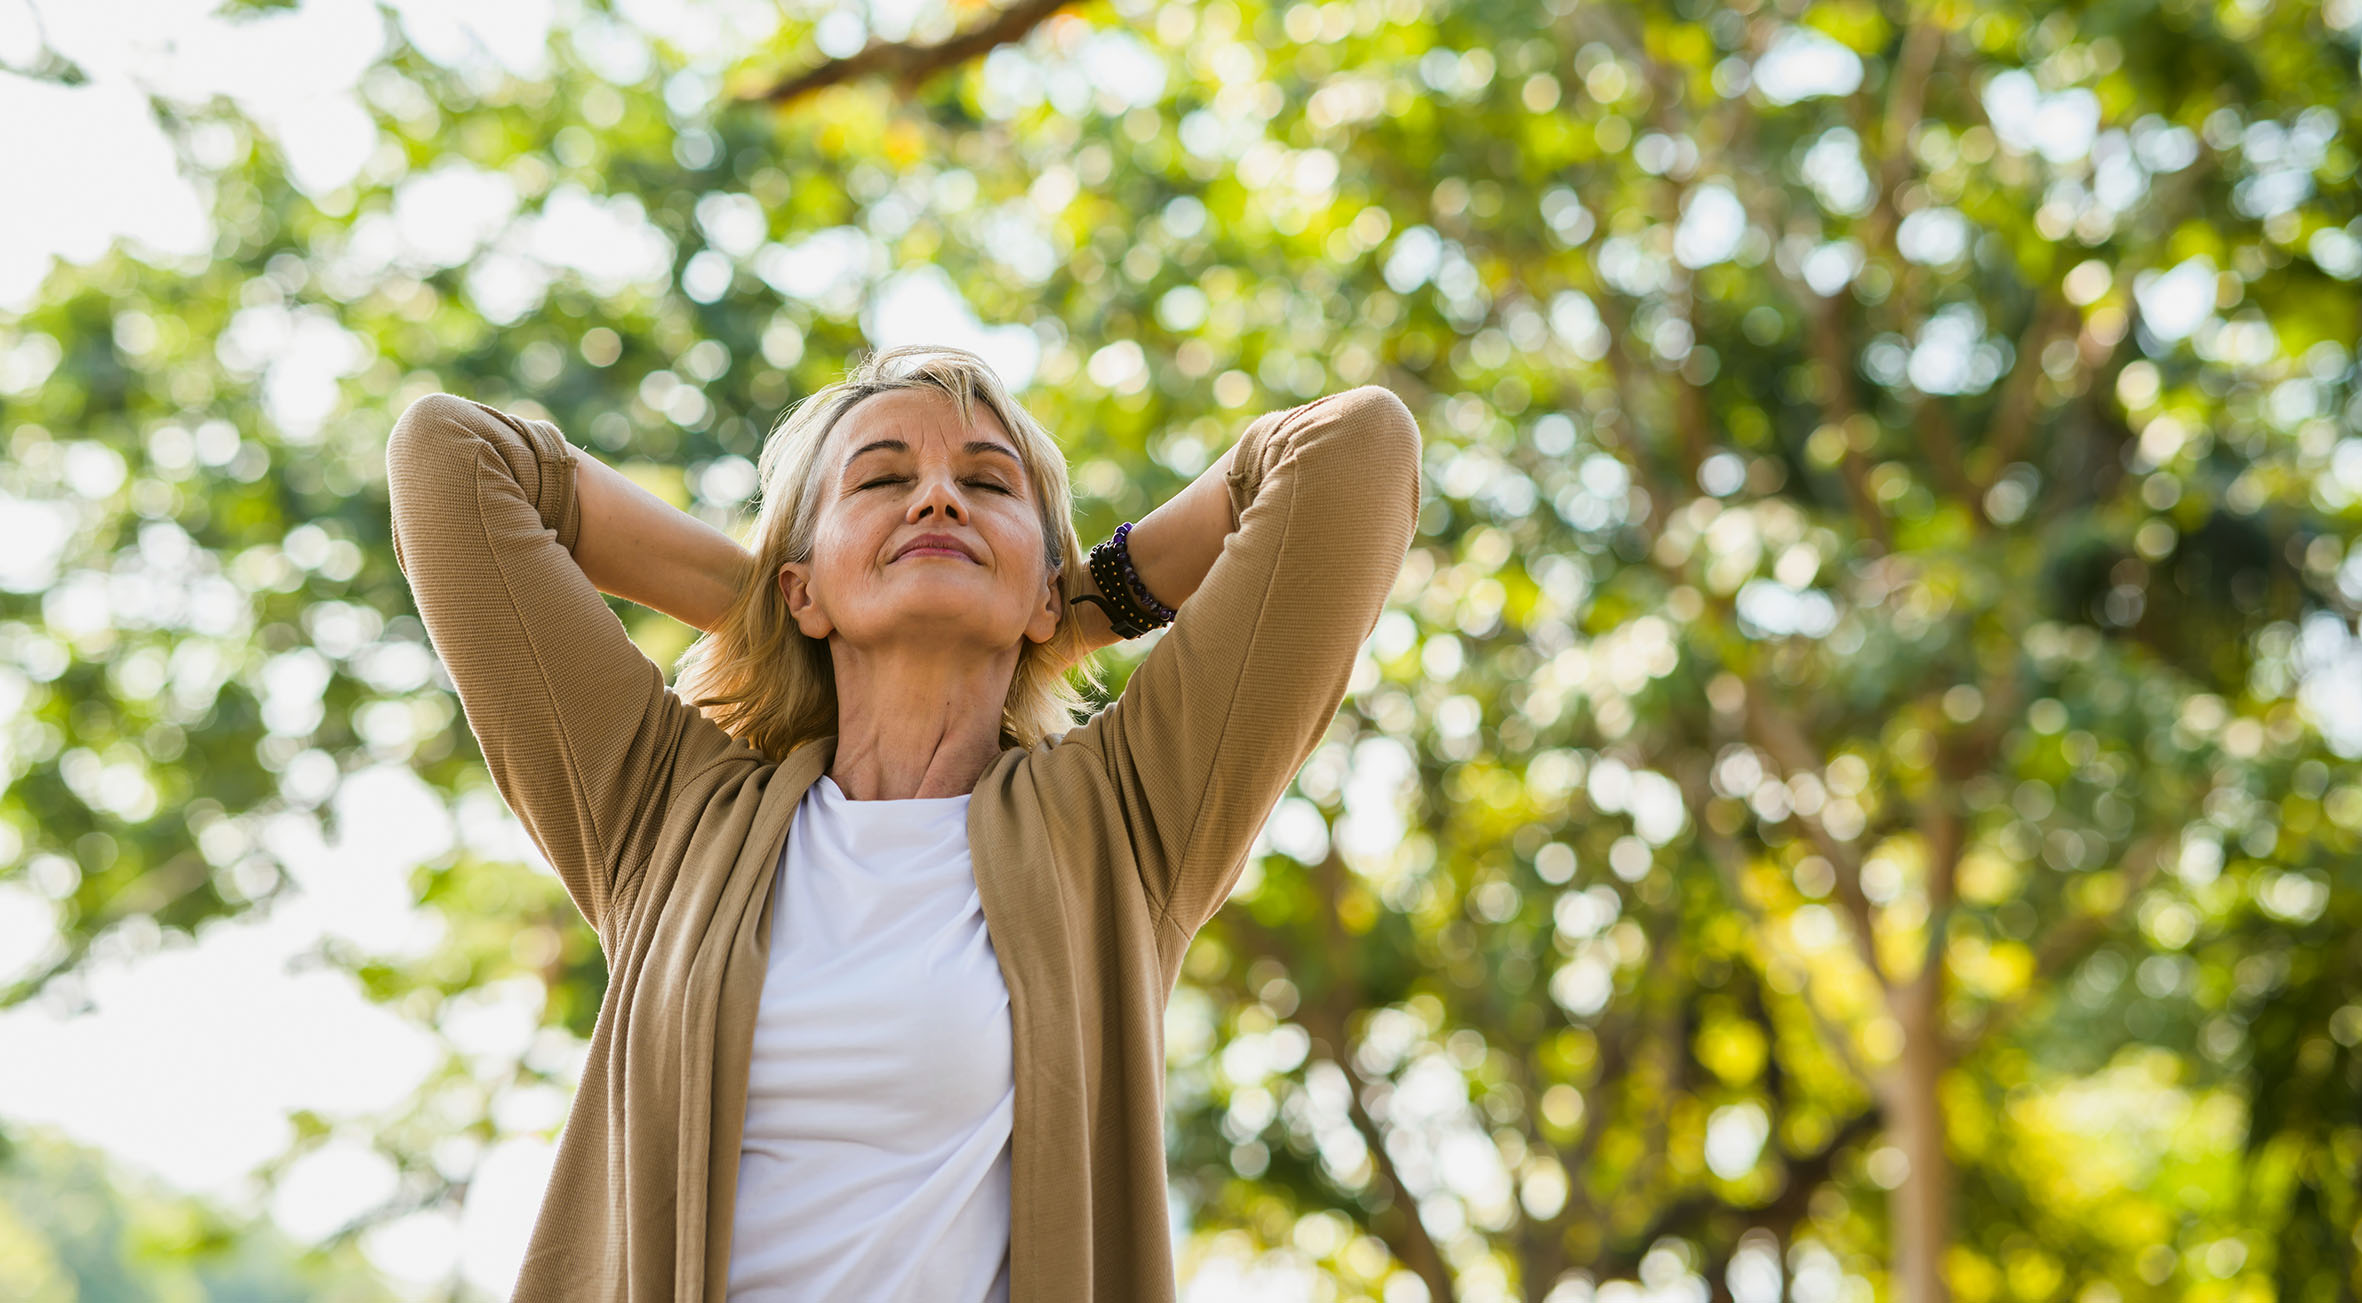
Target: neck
916 721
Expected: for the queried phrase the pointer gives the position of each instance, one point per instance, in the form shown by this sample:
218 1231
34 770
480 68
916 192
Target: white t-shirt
875 1164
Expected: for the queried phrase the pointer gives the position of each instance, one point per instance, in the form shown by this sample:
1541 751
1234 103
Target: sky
192 1056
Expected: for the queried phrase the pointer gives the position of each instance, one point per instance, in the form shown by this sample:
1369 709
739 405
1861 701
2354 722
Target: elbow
435 455
433 418
1378 413
1386 436
425 463
1359 447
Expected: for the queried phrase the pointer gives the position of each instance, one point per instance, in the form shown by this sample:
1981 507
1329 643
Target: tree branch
1325 1017
1408 1238
2068 945
2012 424
909 65
1729 866
1826 335
1688 1217
1946 835
1780 736
1942 444
1891 137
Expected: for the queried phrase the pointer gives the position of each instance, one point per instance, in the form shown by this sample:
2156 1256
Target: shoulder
1063 776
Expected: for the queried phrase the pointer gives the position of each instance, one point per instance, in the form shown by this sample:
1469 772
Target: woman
889 936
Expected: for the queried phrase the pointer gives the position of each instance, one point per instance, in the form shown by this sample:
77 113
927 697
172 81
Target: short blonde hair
765 681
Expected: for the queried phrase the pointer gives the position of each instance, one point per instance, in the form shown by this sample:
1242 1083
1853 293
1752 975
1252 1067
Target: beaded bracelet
1111 565
1121 545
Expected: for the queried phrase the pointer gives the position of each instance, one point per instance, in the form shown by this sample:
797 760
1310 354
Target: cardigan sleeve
1215 723
582 736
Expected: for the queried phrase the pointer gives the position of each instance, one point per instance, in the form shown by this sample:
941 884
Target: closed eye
897 479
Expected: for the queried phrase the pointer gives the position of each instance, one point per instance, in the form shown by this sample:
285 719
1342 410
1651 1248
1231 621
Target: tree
73 1227
1853 716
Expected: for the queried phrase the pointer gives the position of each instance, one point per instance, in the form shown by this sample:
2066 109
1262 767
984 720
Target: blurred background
1855 795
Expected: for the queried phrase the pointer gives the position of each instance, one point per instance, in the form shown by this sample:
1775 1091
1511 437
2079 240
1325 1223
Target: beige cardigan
1098 853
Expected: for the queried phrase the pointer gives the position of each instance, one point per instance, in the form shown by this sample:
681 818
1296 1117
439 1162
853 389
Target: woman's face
899 472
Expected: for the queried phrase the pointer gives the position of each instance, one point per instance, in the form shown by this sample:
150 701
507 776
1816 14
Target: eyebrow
897 445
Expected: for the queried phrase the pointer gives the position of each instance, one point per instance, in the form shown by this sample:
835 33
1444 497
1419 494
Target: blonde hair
770 685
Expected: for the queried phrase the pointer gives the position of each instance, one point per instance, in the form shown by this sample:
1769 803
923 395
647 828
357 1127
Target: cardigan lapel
1032 930
760 862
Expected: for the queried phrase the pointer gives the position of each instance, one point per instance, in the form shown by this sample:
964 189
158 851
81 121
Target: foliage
72 1227
1845 790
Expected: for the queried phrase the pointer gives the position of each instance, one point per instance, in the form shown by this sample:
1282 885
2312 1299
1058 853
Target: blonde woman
890 933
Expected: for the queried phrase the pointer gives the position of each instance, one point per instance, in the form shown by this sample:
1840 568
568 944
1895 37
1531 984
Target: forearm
1174 546
637 546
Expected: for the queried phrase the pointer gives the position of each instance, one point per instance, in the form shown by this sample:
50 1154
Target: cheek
846 536
1019 544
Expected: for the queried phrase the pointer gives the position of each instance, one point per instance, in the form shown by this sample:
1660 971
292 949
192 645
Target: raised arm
583 738
648 551
1172 547
1322 501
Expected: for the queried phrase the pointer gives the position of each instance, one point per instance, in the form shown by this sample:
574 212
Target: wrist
1131 609
1098 632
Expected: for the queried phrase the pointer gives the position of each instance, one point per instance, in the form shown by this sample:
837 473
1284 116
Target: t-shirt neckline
838 794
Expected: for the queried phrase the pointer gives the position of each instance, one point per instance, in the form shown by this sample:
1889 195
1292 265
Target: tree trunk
1922 1204
1543 1258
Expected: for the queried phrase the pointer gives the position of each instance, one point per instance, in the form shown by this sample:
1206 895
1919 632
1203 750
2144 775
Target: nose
938 495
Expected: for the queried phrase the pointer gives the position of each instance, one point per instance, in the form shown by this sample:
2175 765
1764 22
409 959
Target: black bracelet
1124 628
1130 608
1121 544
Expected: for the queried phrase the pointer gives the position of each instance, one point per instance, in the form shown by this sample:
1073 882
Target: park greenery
1855 795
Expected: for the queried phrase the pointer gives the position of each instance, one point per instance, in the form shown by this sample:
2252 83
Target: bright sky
194 1054
108 173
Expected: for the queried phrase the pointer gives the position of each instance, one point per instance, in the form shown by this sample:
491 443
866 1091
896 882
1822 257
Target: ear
795 588
1042 625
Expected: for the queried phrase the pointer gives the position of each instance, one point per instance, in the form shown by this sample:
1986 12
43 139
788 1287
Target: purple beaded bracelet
1123 552
1130 608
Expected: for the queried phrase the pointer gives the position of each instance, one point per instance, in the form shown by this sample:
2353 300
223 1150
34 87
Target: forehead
918 417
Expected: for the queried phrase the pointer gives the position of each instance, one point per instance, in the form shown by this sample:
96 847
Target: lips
935 543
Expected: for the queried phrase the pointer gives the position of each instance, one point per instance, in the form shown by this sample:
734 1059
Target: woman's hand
640 547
